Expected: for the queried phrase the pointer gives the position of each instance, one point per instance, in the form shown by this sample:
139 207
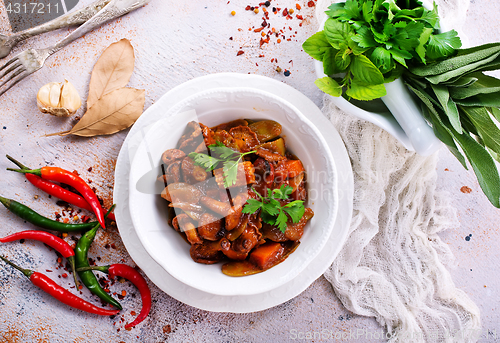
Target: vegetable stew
236 194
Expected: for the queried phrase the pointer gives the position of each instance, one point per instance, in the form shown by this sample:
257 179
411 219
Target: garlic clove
59 99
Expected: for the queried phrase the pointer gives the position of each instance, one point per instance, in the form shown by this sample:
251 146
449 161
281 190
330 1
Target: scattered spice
286 73
233 13
256 10
465 189
311 4
241 52
297 6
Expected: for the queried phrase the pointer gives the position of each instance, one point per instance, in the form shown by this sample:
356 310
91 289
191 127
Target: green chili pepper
31 216
87 276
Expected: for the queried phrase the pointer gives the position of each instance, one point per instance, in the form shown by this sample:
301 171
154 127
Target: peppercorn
267 3
286 73
290 11
256 10
233 13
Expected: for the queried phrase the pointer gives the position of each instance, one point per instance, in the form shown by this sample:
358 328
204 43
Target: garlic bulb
59 99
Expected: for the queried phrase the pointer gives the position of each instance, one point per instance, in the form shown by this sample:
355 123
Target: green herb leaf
449 107
365 71
364 91
329 86
295 209
252 206
381 58
334 10
271 210
342 60
329 65
204 160
316 45
364 38
487 129
338 33
443 44
483 84
487 100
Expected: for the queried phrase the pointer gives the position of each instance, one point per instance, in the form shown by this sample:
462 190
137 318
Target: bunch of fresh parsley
271 210
366 43
229 159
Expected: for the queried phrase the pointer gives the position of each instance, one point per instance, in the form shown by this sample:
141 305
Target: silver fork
73 18
31 60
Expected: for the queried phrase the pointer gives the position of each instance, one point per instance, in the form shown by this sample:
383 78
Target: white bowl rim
331 219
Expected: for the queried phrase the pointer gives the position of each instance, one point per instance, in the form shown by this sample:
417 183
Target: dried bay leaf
112 70
114 112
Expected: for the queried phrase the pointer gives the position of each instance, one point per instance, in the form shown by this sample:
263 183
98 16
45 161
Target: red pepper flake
230 38
48 270
259 29
261 56
59 260
90 169
247 8
279 40
64 275
297 6
132 313
298 16
66 220
465 189
311 4
167 329
124 293
113 245
285 12
241 52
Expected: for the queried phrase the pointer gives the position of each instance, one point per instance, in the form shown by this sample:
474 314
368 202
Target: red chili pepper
50 287
61 193
63 176
51 240
136 278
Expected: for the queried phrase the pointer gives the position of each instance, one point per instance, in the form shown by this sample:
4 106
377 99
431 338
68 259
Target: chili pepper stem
104 269
71 260
16 162
26 272
5 201
37 172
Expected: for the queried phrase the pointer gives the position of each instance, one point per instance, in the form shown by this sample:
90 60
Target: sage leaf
112 70
365 71
484 84
487 129
461 70
462 81
317 45
449 107
463 58
483 165
113 112
329 86
487 100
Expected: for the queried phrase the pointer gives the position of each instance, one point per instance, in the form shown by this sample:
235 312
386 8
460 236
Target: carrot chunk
266 255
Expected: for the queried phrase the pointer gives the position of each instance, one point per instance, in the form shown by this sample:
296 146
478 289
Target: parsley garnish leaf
271 210
229 159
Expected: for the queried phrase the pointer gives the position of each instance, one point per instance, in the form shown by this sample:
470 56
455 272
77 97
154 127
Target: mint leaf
381 58
443 45
329 86
316 45
365 71
338 33
364 91
342 60
329 64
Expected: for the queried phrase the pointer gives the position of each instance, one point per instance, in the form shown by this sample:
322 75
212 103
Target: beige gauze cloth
393 264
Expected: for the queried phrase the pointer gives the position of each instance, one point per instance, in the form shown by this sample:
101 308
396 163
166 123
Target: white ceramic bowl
213 107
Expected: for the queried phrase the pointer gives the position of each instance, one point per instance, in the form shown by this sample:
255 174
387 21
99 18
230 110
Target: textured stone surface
175 42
